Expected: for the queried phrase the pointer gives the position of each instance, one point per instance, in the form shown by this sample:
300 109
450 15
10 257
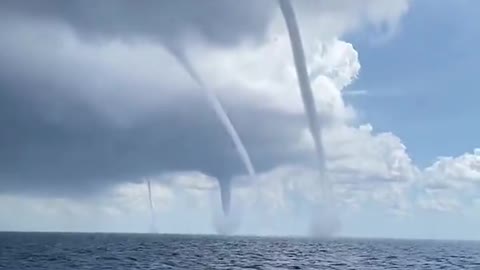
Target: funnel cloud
153 227
224 119
324 226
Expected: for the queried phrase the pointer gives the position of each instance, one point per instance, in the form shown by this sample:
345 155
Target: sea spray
227 224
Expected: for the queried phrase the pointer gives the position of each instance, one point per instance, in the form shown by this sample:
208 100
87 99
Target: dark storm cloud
54 142
83 151
224 22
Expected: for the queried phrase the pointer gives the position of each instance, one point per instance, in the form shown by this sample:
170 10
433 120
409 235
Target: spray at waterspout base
227 221
325 222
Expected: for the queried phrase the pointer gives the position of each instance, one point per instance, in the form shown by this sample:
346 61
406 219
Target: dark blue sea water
137 251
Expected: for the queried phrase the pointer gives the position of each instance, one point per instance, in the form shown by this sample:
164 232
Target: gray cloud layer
221 21
62 145
54 141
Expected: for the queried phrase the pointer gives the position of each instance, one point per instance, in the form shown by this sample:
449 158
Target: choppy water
129 251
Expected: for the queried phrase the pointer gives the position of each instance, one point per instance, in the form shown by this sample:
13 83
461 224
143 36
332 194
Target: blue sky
422 82
422 85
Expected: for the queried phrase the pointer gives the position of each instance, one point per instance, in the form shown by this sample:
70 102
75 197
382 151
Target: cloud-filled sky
92 103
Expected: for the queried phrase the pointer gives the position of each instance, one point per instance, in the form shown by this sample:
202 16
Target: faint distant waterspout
153 228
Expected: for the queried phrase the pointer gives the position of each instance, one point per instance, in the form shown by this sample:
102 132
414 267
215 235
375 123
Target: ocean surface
142 251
